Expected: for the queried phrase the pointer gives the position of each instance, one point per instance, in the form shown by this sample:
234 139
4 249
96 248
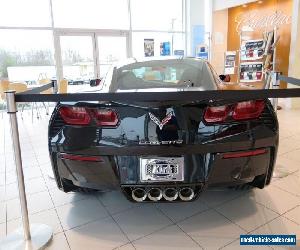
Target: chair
19 88
44 81
63 86
3 87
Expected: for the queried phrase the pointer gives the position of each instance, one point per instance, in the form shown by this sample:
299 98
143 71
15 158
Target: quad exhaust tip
139 194
186 194
155 194
170 194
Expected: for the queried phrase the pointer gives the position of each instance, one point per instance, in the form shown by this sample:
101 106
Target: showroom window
157 25
29 13
111 50
175 41
77 58
111 29
157 15
26 55
91 14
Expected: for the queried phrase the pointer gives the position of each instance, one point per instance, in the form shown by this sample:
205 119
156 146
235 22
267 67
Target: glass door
87 56
77 55
112 49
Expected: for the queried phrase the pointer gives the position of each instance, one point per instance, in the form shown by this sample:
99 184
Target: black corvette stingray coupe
153 151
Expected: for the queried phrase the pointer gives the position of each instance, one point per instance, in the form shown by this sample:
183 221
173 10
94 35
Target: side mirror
222 77
225 78
95 82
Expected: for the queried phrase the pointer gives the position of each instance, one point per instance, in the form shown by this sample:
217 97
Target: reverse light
244 154
105 117
75 115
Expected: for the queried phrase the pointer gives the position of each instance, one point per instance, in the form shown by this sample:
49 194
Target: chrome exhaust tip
186 194
139 194
170 194
155 194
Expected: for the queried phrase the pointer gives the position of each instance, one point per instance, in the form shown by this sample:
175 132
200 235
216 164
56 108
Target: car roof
161 60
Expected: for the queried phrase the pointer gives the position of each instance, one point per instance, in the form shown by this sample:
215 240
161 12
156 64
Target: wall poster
252 50
165 49
149 47
202 51
229 65
251 72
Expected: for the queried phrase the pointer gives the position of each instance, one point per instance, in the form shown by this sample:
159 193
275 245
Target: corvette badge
164 121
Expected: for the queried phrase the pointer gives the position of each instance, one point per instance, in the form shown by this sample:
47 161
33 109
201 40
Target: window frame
57 31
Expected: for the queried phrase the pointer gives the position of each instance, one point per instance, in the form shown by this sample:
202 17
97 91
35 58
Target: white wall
199 13
195 16
294 63
219 39
225 4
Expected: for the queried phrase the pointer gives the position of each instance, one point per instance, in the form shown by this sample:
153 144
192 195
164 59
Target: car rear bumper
203 164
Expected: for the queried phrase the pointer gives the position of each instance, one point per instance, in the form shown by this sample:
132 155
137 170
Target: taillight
216 114
75 115
84 116
240 111
248 110
105 117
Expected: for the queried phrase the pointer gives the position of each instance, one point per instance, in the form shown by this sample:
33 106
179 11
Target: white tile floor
109 221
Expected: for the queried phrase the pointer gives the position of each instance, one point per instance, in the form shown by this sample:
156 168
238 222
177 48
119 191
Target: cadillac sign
256 20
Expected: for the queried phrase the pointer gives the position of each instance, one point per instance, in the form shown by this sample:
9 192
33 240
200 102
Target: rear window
163 74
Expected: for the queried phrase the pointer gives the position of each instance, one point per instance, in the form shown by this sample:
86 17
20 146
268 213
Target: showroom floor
109 221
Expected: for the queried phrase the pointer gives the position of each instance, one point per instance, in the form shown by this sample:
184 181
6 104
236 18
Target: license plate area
162 169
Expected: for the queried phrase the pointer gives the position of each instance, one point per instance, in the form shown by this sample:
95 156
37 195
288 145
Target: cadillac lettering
258 21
